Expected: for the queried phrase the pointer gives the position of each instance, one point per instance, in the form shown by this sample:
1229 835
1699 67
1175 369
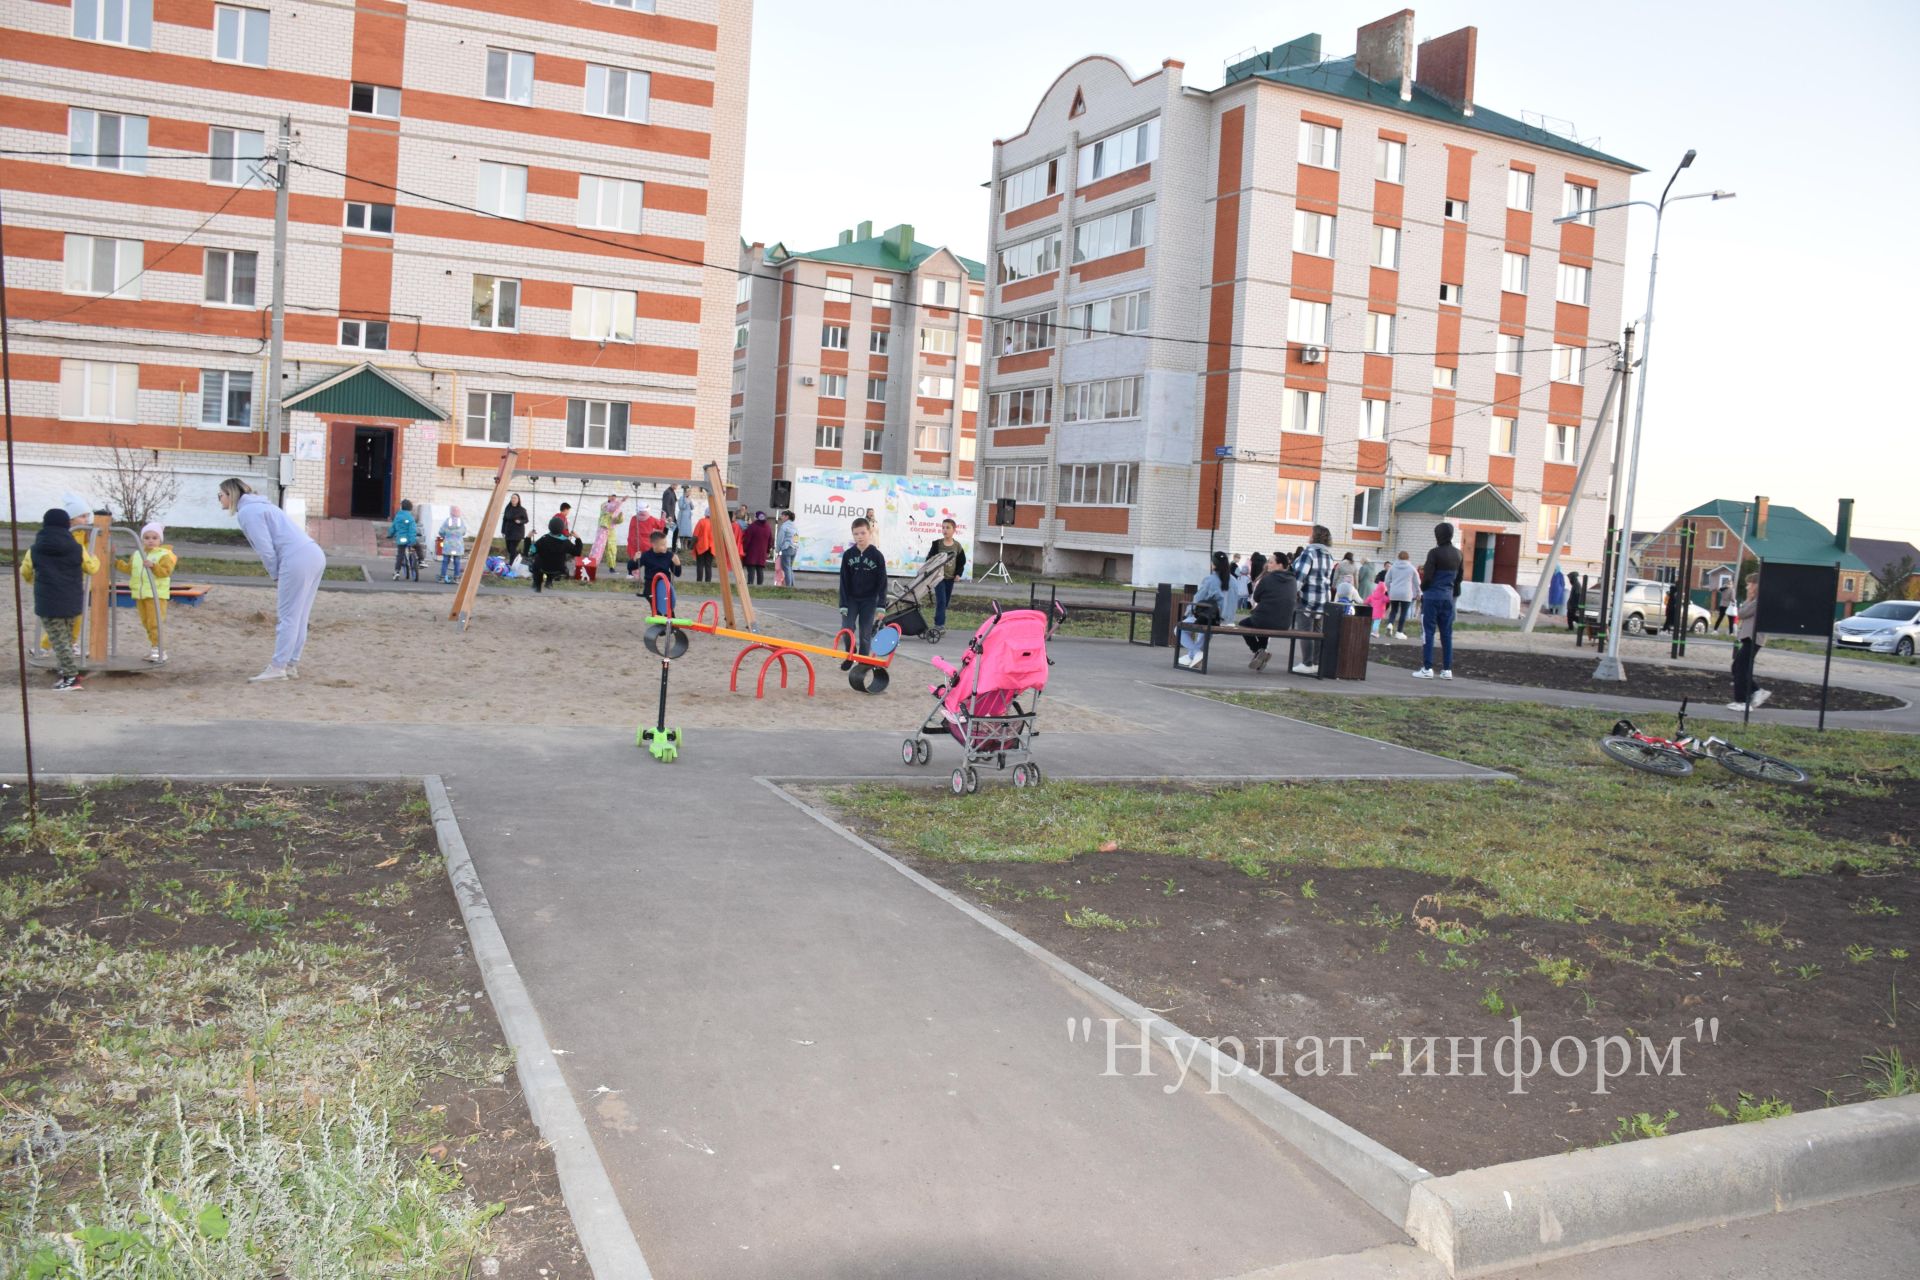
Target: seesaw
667 637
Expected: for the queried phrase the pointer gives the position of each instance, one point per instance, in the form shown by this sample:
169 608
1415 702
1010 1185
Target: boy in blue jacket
654 562
863 587
405 532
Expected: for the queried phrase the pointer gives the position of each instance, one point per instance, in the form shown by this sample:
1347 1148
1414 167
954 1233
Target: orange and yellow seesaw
667 637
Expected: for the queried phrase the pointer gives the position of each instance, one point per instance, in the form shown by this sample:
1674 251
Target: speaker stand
999 569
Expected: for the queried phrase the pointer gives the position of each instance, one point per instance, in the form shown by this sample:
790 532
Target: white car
1892 626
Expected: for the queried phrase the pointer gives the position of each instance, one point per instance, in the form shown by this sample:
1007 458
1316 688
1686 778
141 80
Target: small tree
138 486
1887 579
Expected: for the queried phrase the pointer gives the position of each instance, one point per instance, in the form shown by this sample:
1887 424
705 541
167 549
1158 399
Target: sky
1773 308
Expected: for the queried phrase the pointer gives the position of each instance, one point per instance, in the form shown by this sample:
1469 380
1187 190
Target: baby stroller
991 701
904 610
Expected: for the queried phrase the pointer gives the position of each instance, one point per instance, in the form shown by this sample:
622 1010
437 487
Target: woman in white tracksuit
294 561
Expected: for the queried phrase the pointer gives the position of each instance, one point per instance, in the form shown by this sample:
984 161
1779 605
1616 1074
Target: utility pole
1564 532
277 346
1609 667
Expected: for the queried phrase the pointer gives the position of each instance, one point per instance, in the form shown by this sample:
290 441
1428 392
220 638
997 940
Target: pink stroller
991 701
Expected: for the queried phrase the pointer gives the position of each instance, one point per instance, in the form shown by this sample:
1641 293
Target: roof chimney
1843 526
1383 53
1446 68
1760 505
900 241
864 231
846 237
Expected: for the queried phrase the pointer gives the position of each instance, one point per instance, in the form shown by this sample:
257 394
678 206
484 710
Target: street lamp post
1609 667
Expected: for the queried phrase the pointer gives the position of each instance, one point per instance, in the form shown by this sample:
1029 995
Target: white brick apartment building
864 355
498 214
1352 308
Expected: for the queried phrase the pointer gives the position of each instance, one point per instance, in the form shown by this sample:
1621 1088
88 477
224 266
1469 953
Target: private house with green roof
864 355
1311 295
1727 532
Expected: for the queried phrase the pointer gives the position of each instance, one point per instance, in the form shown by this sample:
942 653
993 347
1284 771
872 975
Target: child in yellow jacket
151 575
88 565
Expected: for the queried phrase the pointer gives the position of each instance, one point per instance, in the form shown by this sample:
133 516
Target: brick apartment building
425 328
1728 532
1351 304
864 355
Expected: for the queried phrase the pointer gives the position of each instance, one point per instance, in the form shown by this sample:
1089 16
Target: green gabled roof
362 391
1459 500
1793 537
875 253
1337 76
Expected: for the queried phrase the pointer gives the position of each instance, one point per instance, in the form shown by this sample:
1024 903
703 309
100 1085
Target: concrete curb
605 1235
1530 1211
1379 1177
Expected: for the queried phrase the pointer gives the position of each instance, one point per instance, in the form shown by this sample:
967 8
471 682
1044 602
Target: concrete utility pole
277 346
1565 529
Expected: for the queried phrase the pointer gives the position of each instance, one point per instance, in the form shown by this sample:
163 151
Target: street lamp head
1686 161
1724 195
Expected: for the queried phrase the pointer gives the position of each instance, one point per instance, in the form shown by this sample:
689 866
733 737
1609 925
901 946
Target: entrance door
372 473
1483 557
1506 559
340 449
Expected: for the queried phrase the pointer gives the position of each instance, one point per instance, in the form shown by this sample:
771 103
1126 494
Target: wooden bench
1207 632
1133 608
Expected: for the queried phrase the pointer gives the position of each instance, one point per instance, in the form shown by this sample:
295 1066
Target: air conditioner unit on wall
1312 355
806 382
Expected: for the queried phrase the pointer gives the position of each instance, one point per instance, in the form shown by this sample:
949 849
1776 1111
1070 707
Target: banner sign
906 512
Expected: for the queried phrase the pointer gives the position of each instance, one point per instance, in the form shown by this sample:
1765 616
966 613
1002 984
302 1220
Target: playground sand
558 659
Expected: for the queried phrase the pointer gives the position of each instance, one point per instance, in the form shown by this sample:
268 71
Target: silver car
1892 626
1643 608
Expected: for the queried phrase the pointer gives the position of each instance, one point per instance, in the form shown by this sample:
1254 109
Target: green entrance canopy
362 392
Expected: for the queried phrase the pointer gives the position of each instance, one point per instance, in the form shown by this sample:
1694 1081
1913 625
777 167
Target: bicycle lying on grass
1673 757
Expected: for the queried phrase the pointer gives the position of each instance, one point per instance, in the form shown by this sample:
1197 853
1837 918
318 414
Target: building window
1848 584
597 426
1440 464
602 315
1520 190
1128 313
734 427
1568 363
932 387
1445 378
1563 443
490 417
1294 503
611 203
1032 184
1027 408
1506 353
833 386
1380 332
1550 516
1576 284
976 301
638 6
1307 321
364 335
972 354
1505 438
969 399
940 293
740 337
127 22
1303 411
94 391
240 35
1386 247
1577 198
1118 152
833 337
510 76
230 276
1373 419
226 398
374 100
937 341
882 293
1390 161
1716 539
877 341
1312 233
236 157
1454 210
1021 483
1029 258
103 140
1319 145
872 439
739 379
1366 508
374 219
743 289
621 95
1102 400
1096 484
502 189
496 303
1114 233
1513 272
1451 293
876 389
826 437
1027 333
105 267
839 289
932 437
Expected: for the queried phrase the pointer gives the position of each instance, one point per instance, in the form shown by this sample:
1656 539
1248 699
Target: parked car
1644 608
1892 626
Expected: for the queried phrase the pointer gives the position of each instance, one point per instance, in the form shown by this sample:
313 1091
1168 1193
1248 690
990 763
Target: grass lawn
192 567
185 535
1795 644
1574 838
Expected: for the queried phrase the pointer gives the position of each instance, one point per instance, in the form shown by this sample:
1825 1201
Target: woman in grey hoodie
294 561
